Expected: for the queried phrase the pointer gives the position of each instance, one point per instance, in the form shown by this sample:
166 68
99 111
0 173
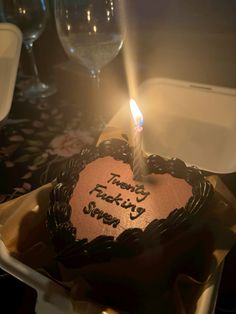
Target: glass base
39 90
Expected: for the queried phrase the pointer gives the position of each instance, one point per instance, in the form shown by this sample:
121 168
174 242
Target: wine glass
90 31
30 16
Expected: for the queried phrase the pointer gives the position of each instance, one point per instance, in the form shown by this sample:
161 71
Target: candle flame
136 114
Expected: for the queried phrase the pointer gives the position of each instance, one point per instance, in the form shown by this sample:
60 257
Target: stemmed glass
90 31
30 16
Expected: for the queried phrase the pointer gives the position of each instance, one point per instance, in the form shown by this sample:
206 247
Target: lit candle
137 140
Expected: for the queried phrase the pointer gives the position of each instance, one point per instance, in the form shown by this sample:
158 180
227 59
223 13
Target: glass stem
95 74
34 68
96 92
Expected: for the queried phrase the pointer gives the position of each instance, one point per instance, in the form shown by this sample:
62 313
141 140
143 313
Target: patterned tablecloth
37 138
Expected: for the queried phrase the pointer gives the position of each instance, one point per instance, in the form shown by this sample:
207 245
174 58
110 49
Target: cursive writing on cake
137 189
100 192
100 214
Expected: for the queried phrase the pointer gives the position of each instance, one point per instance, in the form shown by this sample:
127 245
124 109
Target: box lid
193 122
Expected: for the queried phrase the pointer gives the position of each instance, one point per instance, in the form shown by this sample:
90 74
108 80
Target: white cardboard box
194 122
10 47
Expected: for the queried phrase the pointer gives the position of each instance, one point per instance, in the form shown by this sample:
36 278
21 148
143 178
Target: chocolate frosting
74 252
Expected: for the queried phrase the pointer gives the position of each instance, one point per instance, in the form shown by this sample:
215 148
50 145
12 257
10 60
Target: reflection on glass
90 31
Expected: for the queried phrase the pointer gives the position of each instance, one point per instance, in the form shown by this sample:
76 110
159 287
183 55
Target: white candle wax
137 140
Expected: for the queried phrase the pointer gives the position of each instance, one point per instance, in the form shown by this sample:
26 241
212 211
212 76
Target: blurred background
169 36
193 40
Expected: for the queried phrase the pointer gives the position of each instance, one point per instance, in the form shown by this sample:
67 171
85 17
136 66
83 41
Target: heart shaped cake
98 211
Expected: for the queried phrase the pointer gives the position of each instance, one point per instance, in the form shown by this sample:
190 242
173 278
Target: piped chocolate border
75 253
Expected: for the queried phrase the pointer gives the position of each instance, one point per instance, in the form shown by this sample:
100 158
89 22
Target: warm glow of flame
89 15
129 50
136 113
22 10
95 28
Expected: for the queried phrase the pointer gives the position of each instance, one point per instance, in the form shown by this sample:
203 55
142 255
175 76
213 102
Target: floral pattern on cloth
69 143
36 140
